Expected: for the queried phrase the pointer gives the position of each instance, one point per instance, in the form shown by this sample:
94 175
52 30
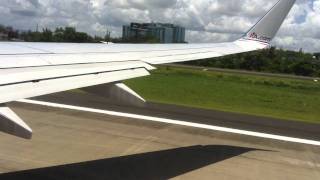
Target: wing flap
31 89
33 74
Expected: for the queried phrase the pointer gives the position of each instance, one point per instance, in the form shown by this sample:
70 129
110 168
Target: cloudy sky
206 20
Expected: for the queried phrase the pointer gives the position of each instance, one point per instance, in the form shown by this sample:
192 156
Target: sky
205 20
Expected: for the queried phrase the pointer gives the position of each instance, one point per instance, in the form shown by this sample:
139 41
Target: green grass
249 94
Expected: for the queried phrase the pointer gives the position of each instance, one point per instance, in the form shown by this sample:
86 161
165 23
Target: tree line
67 34
61 34
271 60
268 60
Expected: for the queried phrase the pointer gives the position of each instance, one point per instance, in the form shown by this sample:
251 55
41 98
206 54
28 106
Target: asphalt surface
218 118
77 145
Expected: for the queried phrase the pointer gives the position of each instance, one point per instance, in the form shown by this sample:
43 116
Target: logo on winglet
255 36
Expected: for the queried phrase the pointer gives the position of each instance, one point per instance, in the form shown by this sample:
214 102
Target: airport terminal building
165 33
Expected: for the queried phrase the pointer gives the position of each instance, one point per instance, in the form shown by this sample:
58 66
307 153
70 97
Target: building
164 33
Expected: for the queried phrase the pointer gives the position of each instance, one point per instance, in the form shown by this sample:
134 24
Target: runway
174 122
70 144
193 115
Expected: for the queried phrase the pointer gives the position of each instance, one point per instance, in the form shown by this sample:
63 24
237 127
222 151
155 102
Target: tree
58 35
303 68
81 37
107 37
69 34
46 35
2 29
12 34
317 55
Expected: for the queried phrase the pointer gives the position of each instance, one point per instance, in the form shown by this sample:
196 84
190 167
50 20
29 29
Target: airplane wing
33 69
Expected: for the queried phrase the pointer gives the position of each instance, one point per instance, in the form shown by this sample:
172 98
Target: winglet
267 27
12 124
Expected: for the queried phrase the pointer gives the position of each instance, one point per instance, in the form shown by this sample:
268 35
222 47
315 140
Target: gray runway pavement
71 144
210 117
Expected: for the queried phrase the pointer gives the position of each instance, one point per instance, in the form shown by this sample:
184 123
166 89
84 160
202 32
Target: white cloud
207 20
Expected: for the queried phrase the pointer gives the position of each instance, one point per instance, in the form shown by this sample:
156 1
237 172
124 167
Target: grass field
249 94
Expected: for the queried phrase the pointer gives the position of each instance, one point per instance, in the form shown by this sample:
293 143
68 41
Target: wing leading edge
34 69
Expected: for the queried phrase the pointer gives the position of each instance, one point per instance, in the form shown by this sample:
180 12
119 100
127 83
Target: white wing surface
34 69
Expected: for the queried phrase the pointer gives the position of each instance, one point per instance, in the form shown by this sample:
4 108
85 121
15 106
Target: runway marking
175 122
